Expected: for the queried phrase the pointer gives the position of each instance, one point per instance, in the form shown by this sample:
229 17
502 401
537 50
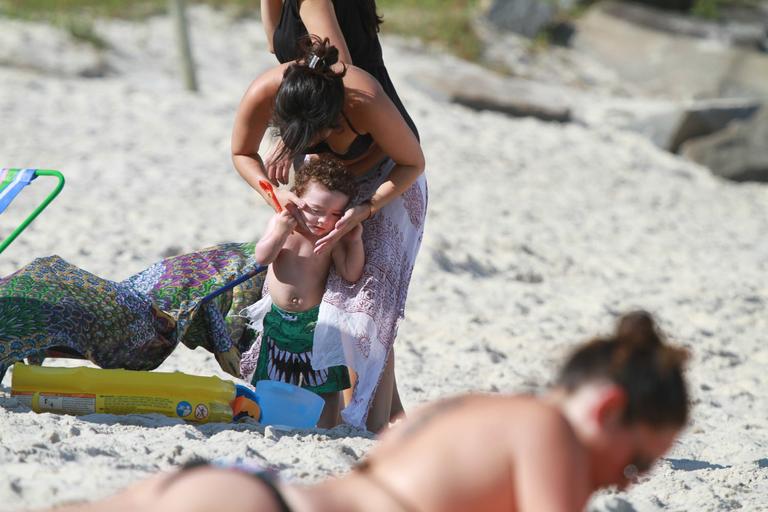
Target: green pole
16 232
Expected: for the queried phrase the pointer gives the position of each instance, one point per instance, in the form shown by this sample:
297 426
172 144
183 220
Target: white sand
537 235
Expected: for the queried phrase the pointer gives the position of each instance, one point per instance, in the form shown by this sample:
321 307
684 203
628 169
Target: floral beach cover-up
357 323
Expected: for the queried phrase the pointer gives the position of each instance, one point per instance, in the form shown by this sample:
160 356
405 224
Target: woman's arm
251 122
270 18
375 113
319 18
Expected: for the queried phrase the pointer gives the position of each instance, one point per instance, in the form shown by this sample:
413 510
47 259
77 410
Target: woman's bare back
470 453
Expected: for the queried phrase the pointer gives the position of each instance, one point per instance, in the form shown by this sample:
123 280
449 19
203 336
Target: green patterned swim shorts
286 352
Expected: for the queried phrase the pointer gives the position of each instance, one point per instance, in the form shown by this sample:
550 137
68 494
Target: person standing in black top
351 25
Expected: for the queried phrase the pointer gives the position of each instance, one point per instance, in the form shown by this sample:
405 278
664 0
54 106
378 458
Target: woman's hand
278 171
285 196
350 220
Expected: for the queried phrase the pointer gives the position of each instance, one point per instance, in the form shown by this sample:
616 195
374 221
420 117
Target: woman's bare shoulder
361 88
539 417
359 77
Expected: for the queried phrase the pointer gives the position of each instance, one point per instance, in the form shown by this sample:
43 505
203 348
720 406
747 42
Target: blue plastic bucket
285 404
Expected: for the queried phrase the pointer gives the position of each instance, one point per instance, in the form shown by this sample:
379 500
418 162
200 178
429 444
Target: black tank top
364 48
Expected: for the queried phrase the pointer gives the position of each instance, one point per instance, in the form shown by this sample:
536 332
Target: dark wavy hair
371 19
637 359
310 98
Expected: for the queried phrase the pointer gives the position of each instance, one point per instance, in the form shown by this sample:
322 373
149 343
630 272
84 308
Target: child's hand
285 222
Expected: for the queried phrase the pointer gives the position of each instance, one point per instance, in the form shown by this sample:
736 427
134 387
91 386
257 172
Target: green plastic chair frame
12 182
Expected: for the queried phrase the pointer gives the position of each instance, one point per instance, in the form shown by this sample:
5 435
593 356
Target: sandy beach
538 235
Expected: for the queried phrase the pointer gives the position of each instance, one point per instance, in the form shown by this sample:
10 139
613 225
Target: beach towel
134 324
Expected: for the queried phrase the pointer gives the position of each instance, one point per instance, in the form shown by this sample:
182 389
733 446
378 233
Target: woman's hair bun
638 330
316 53
637 358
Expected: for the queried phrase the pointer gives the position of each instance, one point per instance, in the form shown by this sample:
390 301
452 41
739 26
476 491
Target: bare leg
396 410
330 416
348 392
378 416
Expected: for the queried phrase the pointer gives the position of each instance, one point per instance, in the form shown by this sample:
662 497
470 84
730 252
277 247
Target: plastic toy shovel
267 187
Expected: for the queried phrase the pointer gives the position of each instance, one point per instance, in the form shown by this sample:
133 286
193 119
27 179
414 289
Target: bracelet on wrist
371 210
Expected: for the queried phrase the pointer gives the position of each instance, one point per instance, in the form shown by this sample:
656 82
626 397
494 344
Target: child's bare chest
298 255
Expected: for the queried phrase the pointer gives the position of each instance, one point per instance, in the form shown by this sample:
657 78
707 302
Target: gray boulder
526 17
666 64
481 89
708 117
746 27
739 152
668 123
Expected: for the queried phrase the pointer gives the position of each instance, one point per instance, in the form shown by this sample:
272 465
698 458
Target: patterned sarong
358 322
134 324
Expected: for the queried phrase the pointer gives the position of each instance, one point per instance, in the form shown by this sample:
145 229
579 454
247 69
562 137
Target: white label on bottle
67 404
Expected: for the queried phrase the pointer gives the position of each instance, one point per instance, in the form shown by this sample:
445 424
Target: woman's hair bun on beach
318 54
638 359
310 98
637 329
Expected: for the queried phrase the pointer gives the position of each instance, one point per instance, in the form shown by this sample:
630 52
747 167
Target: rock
667 64
746 76
659 124
670 5
708 117
526 17
480 89
668 124
740 29
518 56
739 152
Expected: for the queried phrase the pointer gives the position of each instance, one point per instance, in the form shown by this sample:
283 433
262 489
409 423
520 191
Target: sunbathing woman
619 403
318 105
352 26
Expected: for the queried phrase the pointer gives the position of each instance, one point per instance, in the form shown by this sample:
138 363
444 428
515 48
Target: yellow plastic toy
83 390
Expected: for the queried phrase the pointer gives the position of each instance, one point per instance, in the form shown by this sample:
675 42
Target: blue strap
248 275
23 178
